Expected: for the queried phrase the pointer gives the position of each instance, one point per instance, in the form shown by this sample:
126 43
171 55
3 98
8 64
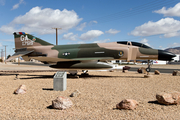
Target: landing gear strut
148 69
73 74
85 73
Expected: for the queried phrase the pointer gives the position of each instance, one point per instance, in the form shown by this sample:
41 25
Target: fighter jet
73 57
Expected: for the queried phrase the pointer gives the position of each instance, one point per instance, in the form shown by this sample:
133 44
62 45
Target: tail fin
24 40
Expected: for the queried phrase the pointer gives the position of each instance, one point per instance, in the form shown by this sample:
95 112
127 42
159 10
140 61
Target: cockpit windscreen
134 44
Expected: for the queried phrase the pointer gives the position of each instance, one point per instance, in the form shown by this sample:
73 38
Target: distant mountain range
175 50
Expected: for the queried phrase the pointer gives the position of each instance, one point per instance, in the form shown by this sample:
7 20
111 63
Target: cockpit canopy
133 44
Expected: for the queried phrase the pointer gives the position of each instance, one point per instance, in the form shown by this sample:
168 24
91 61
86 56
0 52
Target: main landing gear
85 73
73 74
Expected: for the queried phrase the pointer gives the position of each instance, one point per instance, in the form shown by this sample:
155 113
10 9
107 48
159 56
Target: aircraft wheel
148 69
73 74
85 71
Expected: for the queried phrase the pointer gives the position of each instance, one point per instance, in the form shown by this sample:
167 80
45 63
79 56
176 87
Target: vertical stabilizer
24 40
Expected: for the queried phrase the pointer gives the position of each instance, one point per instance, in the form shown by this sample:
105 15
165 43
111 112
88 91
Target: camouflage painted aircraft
75 57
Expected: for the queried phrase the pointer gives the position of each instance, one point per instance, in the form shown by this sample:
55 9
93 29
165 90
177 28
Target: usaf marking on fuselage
85 57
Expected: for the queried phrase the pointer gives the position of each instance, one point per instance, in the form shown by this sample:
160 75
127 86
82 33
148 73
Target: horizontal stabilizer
18 54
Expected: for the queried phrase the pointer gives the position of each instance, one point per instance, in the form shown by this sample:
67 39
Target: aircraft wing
18 54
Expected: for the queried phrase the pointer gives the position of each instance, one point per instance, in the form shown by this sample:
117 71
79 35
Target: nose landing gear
148 69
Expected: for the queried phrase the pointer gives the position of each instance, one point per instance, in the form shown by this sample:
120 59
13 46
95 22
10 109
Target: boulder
61 103
172 98
21 89
127 104
126 68
142 70
76 93
156 72
16 77
176 73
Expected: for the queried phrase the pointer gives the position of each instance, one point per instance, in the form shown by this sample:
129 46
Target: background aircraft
85 57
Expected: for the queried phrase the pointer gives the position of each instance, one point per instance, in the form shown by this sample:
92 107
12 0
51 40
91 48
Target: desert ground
100 92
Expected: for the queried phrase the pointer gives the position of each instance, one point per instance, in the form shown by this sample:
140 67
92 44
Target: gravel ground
100 92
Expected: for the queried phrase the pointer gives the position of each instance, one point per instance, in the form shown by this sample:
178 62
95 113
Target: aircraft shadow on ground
161 70
37 76
80 76
4 74
68 76
31 63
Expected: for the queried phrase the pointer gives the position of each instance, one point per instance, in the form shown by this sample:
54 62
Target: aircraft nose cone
165 55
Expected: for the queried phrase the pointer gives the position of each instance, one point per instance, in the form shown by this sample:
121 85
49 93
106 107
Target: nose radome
165 55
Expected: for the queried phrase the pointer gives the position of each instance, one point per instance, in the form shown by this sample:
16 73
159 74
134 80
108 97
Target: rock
16 77
76 93
156 72
127 104
142 70
126 68
20 90
61 103
168 98
139 70
176 73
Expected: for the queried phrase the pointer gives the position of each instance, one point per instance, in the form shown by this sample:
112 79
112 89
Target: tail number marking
25 40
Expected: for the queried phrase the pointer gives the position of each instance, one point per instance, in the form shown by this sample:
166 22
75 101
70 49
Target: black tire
148 69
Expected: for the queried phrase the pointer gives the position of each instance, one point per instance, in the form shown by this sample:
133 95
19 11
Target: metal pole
2 56
5 54
56 34
18 61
